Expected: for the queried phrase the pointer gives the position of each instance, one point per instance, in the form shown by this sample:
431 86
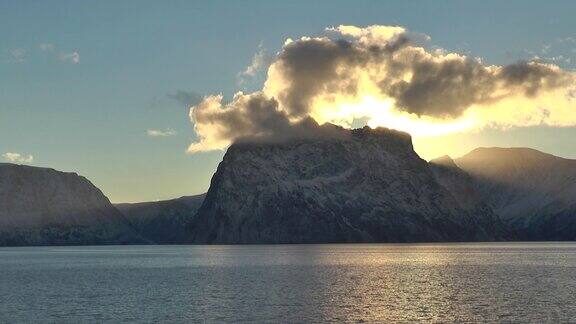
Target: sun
382 113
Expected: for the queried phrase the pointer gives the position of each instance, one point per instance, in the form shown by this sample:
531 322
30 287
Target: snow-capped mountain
363 185
40 206
534 192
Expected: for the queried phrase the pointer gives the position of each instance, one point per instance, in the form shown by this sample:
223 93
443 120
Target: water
290 283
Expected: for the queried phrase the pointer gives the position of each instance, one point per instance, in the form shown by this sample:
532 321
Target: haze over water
526 282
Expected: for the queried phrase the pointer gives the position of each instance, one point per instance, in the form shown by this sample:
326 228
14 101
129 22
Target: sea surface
511 282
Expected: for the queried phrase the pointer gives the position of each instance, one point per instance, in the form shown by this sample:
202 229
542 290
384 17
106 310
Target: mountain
40 206
534 192
462 186
363 185
162 222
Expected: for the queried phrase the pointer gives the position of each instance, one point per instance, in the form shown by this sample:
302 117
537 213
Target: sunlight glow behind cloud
381 74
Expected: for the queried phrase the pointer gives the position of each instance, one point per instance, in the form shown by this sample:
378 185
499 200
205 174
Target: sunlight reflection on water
290 283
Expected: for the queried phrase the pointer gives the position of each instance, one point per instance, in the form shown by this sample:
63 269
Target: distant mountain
462 186
162 222
40 206
364 185
534 192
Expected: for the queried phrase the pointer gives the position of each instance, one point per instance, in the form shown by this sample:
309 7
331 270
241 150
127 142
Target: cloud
72 57
566 40
559 51
17 55
67 57
247 115
261 60
186 98
47 47
371 35
160 133
384 75
421 82
250 117
17 157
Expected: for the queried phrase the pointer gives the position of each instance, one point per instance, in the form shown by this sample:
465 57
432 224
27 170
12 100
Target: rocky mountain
162 222
533 192
363 185
462 186
40 206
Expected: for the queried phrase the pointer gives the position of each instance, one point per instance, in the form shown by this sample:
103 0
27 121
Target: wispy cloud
17 157
558 51
17 55
73 57
566 40
47 47
68 57
260 61
160 133
20 55
186 98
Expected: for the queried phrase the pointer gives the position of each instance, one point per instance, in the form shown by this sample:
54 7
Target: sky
104 88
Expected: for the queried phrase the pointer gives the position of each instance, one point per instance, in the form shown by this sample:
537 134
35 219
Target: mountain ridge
372 187
162 222
43 206
363 185
533 191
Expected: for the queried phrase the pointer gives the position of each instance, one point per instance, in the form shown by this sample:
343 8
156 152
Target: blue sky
91 115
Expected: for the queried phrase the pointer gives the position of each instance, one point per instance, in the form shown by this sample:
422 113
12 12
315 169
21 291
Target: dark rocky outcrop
364 185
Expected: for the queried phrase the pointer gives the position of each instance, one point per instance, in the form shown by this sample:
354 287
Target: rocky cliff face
360 186
40 206
533 192
162 222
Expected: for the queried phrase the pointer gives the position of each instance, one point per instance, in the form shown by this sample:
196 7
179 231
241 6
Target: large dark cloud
253 117
313 76
319 65
442 88
533 77
420 81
